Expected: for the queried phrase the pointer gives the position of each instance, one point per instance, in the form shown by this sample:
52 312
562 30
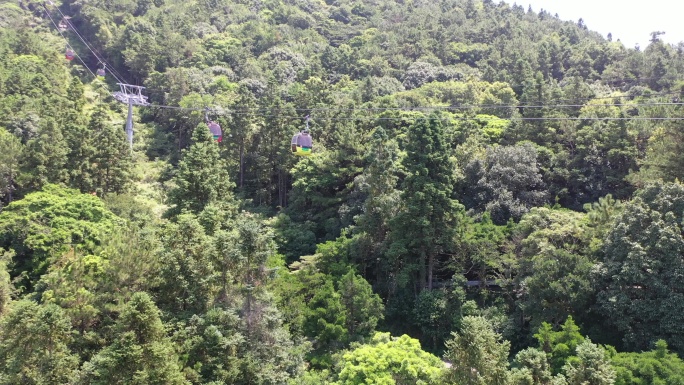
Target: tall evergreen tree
478 356
363 308
79 140
269 157
428 223
141 352
187 277
202 177
592 367
381 177
45 158
34 343
112 157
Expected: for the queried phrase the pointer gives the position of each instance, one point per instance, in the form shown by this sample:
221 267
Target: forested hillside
493 196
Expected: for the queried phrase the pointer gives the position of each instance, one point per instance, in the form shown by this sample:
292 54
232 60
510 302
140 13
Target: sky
631 21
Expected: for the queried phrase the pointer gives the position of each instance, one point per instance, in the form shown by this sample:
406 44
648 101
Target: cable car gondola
216 132
101 72
69 54
214 127
302 143
63 25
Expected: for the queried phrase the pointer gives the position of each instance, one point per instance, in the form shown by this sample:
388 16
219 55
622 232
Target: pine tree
141 352
477 354
187 275
363 308
34 345
45 158
112 158
79 140
428 223
592 367
202 177
80 159
381 178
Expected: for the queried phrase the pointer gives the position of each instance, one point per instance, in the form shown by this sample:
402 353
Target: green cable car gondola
302 143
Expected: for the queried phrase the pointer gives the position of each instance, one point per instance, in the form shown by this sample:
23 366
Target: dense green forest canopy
494 196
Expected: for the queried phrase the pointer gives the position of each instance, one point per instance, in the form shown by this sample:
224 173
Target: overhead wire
92 50
262 112
265 112
47 12
420 108
573 100
85 65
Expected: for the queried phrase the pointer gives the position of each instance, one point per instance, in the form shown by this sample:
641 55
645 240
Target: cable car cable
98 56
67 41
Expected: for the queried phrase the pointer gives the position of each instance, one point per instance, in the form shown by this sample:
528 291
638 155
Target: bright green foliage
484 250
657 366
47 223
390 360
34 343
334 257
642 253
10 154
601 214
362 307
78 139
141 352
559 346
331 318
427 224
477 354
377 196
312 377
591 367
291 292
202 177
